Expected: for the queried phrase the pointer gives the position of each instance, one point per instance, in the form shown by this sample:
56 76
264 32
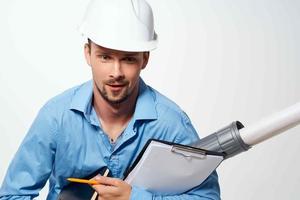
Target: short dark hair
89 44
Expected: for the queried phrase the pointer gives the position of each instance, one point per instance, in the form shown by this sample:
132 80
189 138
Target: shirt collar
82 98
145 106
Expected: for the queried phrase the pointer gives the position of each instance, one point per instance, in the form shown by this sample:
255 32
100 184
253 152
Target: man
107 121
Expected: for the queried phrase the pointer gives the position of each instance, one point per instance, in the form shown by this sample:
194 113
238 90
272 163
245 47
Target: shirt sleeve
31 166
208 190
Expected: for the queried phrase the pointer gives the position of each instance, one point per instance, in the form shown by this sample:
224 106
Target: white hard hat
125 25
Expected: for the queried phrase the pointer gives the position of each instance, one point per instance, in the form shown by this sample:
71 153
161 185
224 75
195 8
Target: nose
117 72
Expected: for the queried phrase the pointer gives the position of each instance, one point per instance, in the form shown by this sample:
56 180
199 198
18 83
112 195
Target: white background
219 60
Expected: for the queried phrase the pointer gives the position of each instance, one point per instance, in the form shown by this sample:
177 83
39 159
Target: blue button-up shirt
66 140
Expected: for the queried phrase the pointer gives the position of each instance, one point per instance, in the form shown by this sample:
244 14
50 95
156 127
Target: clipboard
167 168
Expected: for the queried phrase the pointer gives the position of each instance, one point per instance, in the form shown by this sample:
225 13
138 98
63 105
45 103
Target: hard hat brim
121 45
130 46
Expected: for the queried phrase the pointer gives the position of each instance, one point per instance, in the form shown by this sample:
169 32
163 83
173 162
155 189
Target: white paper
162 171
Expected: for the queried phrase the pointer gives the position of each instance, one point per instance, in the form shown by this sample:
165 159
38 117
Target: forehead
100 49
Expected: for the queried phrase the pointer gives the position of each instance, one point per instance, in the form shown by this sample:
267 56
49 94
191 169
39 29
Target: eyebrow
110 52
131 54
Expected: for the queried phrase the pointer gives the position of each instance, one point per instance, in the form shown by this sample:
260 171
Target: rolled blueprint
271 126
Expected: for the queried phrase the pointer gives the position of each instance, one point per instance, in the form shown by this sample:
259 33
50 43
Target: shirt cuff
139 193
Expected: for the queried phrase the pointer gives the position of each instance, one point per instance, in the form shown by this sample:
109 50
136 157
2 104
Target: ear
87 53
145 59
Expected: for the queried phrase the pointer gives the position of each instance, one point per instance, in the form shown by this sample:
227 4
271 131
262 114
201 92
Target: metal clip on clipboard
189 152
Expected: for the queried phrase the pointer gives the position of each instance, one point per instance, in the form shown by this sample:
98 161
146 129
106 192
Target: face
115 73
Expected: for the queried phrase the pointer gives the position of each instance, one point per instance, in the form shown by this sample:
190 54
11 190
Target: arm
185 134
32 164
116 189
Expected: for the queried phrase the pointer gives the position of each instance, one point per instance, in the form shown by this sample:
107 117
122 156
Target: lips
115 87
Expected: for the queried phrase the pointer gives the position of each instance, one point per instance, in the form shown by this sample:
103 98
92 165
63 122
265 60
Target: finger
103 189
102 180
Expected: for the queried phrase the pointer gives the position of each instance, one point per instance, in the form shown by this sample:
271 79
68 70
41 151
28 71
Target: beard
114 98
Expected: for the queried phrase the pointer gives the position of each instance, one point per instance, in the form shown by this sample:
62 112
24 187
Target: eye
104 57
130 59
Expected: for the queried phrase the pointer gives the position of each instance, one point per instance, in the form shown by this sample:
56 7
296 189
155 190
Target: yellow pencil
79 180
91 182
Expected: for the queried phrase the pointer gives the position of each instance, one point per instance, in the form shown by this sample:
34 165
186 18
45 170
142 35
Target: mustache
116 81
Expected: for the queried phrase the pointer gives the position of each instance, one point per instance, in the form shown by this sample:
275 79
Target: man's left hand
111 188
